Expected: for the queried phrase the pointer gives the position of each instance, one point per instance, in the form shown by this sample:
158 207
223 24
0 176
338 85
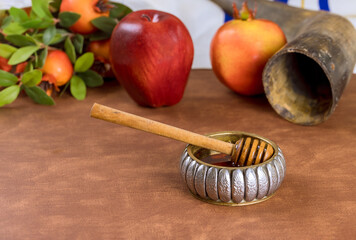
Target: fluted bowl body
234 186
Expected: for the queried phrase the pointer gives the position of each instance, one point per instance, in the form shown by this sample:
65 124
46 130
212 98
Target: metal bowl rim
190 147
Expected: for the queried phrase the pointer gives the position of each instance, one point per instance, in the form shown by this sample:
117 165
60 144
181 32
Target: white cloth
346 8
6 4
203 17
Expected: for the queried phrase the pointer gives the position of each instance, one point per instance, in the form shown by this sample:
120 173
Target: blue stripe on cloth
283 1
227 17
324 5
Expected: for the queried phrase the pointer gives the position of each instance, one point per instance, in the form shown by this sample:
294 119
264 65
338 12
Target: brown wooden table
64 175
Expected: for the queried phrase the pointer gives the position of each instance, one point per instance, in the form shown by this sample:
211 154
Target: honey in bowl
248 151
219 159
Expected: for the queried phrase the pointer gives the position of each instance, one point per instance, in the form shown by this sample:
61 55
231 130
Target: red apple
151 53
241 48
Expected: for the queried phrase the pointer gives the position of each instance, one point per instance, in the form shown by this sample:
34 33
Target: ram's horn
305 79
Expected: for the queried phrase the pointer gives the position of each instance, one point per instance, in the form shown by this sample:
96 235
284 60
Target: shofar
305 79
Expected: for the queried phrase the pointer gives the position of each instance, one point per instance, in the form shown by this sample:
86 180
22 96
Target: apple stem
235 11
245 13
146 17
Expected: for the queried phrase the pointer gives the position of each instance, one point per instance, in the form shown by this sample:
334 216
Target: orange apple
241 48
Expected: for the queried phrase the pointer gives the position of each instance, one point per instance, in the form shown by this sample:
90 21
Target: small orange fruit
48 83
89 10
28 10
4 66
101 50
59 66
20 68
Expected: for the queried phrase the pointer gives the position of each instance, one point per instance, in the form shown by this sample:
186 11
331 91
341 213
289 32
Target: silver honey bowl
232 186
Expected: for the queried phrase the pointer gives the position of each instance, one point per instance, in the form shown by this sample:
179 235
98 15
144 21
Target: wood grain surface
64 175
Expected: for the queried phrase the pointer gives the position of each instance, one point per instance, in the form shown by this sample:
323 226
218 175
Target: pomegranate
89 10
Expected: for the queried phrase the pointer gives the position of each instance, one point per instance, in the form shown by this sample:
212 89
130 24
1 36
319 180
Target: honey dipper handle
147 125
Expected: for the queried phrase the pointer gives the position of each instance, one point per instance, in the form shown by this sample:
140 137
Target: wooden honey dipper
242 153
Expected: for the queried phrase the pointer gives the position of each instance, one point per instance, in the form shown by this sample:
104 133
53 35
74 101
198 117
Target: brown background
64 175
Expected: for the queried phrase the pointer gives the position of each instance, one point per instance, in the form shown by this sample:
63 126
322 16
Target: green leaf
49 34
84 62
33 15
63 32
55 4
14 28
119 10
19 15
3 14
6 21
21 40
91 78
32 23
59 37
78 88
6 50
97 36
64 89
105 24
70 51
40 8
46 23
38 95
29 66
67 19
78 42
42 58
7 79
9 94
37 23
22 54
35 55
32 78
38 37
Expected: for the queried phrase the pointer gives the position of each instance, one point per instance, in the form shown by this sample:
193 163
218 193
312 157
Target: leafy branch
27 37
